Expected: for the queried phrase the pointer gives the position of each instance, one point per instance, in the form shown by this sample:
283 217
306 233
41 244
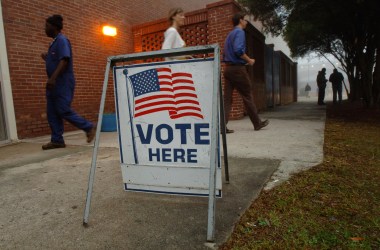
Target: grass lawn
335 205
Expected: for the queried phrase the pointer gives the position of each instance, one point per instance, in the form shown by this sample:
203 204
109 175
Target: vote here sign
164 113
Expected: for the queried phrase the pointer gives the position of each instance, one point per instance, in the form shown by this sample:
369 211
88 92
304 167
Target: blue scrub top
59 49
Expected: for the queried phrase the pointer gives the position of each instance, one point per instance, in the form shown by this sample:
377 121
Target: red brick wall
150 10
24 22
220 24
150 36
26 40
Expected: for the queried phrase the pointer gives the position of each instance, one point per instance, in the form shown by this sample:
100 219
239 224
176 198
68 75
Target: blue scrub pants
59 108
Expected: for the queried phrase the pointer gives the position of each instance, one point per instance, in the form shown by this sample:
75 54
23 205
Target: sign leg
213 158
96 147
223 128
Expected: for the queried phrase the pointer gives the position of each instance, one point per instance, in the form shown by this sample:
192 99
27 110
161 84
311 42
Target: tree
346 29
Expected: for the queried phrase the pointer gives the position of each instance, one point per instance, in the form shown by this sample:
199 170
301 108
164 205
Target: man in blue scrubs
236 75
60 86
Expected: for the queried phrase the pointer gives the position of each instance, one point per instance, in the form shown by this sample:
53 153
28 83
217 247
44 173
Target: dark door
269 75
276 78
3 130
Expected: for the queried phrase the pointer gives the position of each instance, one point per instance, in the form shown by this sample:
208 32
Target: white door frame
7 97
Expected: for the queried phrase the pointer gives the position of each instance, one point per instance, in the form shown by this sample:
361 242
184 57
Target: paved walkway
43 192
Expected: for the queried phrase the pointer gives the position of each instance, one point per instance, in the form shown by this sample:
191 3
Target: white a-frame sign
167 117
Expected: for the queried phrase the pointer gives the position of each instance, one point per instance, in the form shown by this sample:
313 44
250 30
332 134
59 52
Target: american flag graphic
160 89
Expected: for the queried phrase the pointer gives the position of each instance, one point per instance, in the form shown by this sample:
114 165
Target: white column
10 118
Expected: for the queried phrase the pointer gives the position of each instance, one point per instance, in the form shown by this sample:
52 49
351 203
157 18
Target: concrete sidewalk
43 192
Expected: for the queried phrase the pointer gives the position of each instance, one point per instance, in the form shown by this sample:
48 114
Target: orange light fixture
109 31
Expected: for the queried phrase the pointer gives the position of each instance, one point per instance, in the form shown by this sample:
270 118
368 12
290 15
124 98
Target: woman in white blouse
172 39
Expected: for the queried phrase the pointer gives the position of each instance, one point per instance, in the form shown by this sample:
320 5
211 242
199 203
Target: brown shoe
53 145
91 134
262 124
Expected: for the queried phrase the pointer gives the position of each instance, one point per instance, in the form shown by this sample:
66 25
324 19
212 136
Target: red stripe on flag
150 111
187 101
182 81
182 74
186 95
154 104
184 88
186 114
164 70
149 98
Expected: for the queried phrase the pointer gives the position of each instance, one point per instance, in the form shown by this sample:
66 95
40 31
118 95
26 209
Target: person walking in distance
60 86
235 72
321 82
307 90
336 79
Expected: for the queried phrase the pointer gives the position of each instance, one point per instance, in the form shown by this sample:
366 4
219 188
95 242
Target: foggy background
308 68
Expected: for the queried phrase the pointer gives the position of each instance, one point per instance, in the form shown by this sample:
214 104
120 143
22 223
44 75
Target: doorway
3 127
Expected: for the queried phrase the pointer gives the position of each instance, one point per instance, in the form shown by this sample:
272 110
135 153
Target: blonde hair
173 12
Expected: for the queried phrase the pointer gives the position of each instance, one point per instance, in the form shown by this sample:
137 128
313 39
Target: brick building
22 40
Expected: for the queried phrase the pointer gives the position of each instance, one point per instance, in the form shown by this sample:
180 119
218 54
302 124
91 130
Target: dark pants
337 90
236 77
321 94
58 108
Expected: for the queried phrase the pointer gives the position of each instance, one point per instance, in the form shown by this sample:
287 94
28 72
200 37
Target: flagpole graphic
125 72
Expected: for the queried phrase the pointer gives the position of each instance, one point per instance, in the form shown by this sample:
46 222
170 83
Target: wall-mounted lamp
109 31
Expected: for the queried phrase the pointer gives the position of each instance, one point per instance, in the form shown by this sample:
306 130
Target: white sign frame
111 61
148 165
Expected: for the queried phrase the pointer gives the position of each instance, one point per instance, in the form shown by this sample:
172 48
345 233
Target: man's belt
233 64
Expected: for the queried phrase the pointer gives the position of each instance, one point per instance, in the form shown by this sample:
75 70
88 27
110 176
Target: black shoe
53 145
262 125
229 131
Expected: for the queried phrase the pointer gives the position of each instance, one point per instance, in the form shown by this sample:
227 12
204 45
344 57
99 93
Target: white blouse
172 39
